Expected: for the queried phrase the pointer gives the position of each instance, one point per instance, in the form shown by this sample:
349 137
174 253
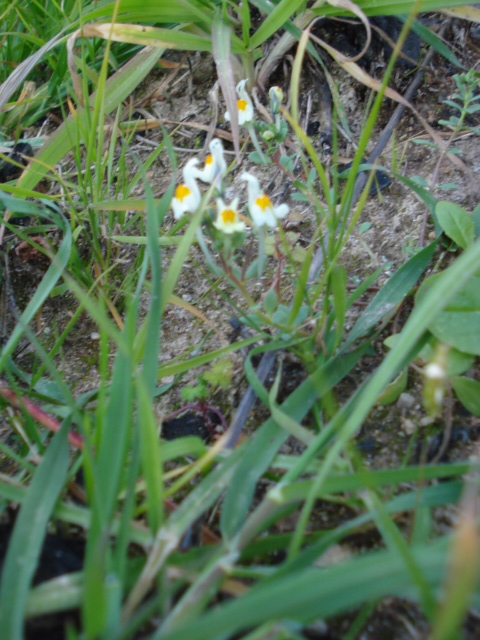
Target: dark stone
10 171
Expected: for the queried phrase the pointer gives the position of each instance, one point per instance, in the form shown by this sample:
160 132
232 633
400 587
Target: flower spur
244 105
215 167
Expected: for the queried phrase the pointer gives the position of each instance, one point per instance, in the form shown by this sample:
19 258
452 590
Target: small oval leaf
468 392
458 325
456 223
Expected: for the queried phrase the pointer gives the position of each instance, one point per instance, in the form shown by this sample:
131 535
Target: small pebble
408 425
426 421
405 401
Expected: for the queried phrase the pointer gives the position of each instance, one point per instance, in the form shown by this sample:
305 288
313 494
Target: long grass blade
28 534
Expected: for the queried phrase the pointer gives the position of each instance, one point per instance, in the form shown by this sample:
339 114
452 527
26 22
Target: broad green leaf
467 391
458 324
456 223
28 534
392 293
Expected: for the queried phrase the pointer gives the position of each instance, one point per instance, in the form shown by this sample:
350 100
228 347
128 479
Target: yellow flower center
181 192
263 202
208 160
228 216
242 105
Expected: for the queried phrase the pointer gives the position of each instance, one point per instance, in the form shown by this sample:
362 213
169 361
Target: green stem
261 250
256 143
208 256
227 247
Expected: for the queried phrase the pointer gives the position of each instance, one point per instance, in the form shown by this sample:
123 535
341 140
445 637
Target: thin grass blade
28 534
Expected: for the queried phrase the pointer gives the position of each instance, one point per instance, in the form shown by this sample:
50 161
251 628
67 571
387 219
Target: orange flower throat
242 105
181 192
228 216
263 202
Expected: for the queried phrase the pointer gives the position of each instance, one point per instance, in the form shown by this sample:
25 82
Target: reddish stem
43 418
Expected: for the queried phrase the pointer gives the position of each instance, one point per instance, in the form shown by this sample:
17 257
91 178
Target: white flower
187 195
215 167
244 105
227 217
260 206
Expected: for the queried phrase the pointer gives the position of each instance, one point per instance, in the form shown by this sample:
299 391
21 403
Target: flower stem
261 251
208 256
256 144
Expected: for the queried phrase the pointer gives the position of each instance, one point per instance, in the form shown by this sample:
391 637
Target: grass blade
392 293
263 445
28 534
117 89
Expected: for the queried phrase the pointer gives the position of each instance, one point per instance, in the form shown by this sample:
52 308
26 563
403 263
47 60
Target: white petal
178 209
262 217
281 211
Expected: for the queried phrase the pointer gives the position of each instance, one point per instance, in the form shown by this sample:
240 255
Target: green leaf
255 157
278 15
270 301
151 460
263 445
431 38
339 292
117 89
458 324
220 373
456 223
476 220
44 289
197 392
392 293
28 534
392 392
387 7
308 595
457 361
468 392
